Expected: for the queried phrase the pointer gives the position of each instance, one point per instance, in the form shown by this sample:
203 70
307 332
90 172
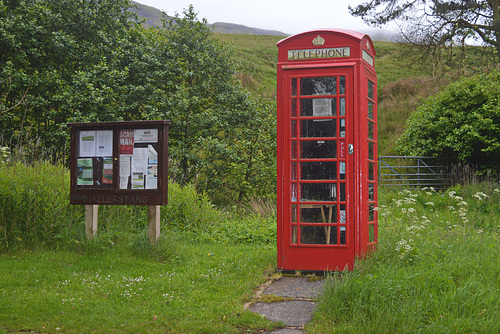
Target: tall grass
34 208
436 269
35 212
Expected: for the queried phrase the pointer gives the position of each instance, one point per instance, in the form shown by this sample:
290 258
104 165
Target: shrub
462 122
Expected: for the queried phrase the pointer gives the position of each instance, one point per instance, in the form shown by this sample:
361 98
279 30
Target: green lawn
201 289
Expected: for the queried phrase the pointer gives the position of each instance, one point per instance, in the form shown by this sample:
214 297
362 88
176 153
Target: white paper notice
137 180
124 171
140 160
87 144
152 177
152 156
146 136
322 107
124 182
104 143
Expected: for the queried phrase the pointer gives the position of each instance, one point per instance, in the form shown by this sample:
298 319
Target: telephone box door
317 166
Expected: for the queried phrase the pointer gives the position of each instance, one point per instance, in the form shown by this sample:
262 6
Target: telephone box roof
341 32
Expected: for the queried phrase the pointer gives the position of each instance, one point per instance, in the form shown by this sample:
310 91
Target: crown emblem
318 41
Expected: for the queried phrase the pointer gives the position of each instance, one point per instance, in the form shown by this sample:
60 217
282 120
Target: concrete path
290 300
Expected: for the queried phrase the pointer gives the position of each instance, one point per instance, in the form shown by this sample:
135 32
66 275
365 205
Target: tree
461 122
437 22
60 62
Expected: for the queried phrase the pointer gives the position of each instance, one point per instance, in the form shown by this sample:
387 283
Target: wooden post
91 212
154 223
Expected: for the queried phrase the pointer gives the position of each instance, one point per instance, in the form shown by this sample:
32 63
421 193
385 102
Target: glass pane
293 111
318 149
318 86
342 170
370 109
294 86
342 192
293 152
371 171
321 170
371 212
318 107
370 89
371 233
318 235
371 191
294 192
371 128
318 213
294 128
342 128
342 85
293 171
371 145
342 235
342 214
318 128
342 106
312 214
294 234
311 192
294 213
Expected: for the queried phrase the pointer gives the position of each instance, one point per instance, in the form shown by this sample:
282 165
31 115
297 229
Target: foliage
34 208
436 268
218 130
463 122
437 23
66 61
61 61
35 214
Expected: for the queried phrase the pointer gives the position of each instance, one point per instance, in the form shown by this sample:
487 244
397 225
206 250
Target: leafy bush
462 122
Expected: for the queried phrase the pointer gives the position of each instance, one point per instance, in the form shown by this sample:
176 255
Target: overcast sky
288 16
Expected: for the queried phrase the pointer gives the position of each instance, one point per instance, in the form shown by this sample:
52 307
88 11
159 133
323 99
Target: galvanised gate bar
327 150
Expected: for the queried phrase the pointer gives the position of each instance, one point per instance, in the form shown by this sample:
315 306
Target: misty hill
153 19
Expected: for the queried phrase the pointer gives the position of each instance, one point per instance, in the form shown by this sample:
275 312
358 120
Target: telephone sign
327 149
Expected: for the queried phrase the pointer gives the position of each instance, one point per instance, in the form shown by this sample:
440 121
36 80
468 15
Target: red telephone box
327 150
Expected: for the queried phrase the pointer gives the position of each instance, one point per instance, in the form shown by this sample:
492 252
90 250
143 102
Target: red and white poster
127 142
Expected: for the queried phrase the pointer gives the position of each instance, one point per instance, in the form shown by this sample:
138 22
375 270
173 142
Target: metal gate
414 172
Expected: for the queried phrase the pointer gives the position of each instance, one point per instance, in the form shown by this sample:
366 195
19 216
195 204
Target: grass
202 289
436 269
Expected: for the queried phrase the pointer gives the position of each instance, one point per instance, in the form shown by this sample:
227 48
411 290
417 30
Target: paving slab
288 331
294 313
296 287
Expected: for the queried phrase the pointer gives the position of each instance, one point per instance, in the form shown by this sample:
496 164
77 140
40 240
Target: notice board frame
97 192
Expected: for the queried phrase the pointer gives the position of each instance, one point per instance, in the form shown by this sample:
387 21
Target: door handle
350 149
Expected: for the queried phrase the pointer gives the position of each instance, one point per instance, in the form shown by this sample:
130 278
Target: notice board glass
119 163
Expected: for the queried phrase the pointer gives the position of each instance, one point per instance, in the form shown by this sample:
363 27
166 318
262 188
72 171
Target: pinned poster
152 171
124 171
87 144
146 136
107 171
137 180
152 177
84 172
127 142
104 143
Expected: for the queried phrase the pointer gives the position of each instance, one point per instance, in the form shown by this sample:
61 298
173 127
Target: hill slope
153 19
